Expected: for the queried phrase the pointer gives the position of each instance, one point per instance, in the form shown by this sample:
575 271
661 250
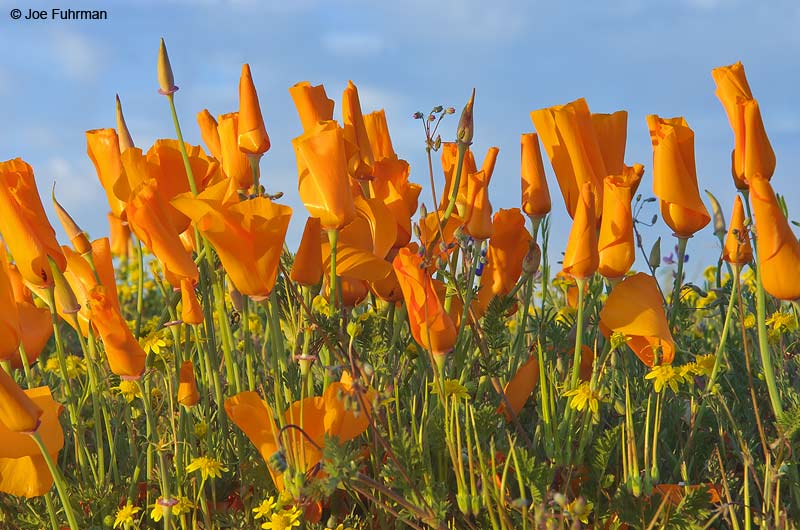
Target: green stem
676 289
139 291
764 349
576 362
333 238
182 146
462 150
58 478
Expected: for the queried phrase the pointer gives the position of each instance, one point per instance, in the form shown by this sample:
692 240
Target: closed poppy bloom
355 132
18 413
254 417
209 133
103 150
568 136
10 333
323 175
24 225
234 162
581 257
125 356
388 289
431 326
188 396
778 247
478 209
35 323
450 168
248 236
81 278
120 236
253 138
520 386
191 311
752 153
23 469
675 175
616 247
508 247
307 266
535 194
737 249
634 309
378 132
611 131
312 103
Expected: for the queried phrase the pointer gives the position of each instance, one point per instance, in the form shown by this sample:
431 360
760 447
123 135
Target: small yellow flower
664 375
782 322
320 305
283 520
125 515
706 301
618 339
583 396
704 364
129 390
180 506
201 429
451 388
749 321
580 510
207 466
710 274
511 325
76 366
264 509
153 343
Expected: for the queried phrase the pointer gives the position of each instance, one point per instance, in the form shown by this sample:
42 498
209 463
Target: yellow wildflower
125 515
704 364
580 510
583 396
76 366
153 343
749 321
178 507
129 390
283 520
782 322
665 375
264 509
207 466
618 339
710 274
451 388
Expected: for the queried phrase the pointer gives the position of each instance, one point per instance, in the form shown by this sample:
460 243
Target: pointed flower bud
253 138
65 298
166 81
76 236
466 125
188 396
125 140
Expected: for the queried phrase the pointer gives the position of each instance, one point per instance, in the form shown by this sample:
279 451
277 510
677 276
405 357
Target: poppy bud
187 387
466 125
166 80
76 236
124 135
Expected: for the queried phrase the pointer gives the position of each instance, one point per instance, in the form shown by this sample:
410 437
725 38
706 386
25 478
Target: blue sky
58 79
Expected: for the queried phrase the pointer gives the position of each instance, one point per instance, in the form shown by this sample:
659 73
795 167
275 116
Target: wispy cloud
353 44
76 55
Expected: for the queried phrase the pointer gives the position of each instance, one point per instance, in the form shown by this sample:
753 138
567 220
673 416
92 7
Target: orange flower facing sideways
253 138
568 136
675 175
520 387
752 153
307 266
35 323
508 246
18 413
450 168
10 331
324 184
312 104
82 280
478 209
355 132
23 469
209 133
120 236
103 150
535 194
611 131
125 356
248 236
431 326
191 311
188 395
581 257
634 309
778 247
234 162
737 249
616 248
24 225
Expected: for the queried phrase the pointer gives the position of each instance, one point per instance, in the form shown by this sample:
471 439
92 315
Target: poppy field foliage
418 360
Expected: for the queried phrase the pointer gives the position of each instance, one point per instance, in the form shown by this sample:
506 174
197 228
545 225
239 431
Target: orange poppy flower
23 469
209 133
568 136
431 326
520 386
307 266
10 332
191 312
450 167
581 257
82 280
253 138
248 236
188 396
611 131
355 132
634 309
508 247
378 132
125 356
312 103
616 247
35 323
322 165
535 194
478 209
120 236
18 413
675 175
778 247
737 249
24 225
752 153
234 162
103 149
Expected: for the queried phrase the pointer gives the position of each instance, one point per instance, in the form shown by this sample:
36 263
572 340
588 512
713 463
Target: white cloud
76 55
353 44
75 188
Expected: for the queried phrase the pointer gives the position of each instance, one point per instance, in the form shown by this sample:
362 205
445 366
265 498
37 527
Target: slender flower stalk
58 478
